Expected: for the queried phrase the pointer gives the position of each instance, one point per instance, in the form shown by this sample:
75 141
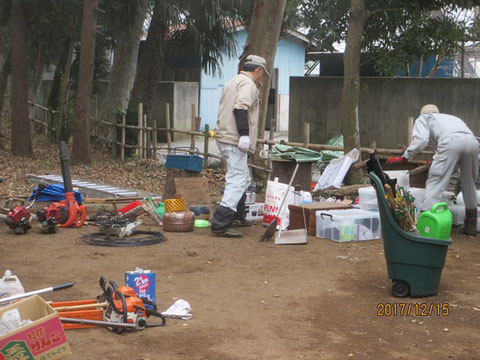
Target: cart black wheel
400 288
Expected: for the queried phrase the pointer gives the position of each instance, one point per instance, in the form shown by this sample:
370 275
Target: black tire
400 288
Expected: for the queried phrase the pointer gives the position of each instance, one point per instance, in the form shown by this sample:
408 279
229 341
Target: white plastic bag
273 198
336 171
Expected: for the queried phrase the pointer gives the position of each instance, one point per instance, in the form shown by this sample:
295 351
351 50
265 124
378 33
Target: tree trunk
123 71
263 37
21 141
39 70
4 82
53 101
81 152
151 61
351 83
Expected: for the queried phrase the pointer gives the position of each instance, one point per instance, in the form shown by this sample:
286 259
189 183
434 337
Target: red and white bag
273 198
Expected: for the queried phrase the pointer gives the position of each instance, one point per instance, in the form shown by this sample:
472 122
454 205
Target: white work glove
244 143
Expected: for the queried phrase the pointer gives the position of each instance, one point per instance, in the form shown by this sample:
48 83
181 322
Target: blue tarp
55 192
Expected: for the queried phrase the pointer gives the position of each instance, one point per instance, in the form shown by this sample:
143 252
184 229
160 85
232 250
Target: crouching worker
236 135
455 146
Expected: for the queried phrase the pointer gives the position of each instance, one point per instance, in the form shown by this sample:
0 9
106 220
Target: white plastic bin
348 225
458 212
419 195
402 176
368 198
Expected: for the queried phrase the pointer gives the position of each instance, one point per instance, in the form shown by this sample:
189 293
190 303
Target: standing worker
236 134
455 146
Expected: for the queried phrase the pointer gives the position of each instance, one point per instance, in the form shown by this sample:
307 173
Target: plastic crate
348 225
185 161
368 198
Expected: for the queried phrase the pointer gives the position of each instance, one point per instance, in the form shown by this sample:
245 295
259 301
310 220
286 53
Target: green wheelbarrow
414 262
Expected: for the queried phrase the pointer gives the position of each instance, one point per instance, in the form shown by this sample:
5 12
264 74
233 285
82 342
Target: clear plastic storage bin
368 198
348 225
419 195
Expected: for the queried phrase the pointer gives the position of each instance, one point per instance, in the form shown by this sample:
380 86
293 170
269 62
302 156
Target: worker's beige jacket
240 92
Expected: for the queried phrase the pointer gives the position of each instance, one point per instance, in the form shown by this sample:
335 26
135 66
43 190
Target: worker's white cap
429 109
258 61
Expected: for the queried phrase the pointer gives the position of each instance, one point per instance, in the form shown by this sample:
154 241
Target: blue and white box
143 282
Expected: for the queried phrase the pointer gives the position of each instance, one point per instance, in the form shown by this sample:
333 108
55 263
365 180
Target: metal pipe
98 323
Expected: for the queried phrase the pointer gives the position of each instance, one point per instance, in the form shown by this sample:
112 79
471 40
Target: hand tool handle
98 323
63 286
36 292
288 189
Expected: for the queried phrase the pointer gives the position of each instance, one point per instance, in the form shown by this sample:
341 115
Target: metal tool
270 231
107 324
36 292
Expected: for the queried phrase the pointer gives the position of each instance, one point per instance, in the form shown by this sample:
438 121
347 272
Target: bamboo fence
148 146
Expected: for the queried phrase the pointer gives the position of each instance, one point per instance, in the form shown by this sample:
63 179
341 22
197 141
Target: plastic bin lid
349 213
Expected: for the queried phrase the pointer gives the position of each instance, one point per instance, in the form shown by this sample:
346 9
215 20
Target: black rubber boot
222 222
240 216
470 224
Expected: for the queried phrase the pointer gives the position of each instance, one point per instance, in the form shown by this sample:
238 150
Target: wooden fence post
122 146
146 144
140 134
50 119
192 125
306 135
271 135
167 126
45 118
205 146
410 130
114 138
154 138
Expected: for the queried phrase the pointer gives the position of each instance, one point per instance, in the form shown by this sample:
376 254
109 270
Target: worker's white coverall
455 145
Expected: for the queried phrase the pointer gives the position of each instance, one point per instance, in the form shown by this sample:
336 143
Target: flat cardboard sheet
195 190
322 206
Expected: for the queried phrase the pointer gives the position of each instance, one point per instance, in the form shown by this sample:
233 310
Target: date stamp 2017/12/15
415 309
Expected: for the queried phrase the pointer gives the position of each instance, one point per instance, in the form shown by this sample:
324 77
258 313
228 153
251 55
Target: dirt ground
255 300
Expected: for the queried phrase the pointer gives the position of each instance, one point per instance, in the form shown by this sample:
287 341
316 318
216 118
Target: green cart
414 262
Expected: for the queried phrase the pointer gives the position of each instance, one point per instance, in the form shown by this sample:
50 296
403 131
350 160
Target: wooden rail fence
147 142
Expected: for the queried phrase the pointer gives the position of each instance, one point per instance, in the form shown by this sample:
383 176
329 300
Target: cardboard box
43 339
297 213
254 211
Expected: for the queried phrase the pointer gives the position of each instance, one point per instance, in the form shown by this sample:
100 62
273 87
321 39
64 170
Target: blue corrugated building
289 61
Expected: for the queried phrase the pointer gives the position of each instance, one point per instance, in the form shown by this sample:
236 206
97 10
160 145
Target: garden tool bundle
121 309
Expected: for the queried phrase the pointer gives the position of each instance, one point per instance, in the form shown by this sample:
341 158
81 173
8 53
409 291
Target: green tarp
292 153
300 154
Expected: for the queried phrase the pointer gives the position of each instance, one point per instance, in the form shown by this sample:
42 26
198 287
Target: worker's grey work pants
458 149
237 178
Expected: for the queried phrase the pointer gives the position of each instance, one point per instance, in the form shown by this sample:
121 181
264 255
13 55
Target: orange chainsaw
123 310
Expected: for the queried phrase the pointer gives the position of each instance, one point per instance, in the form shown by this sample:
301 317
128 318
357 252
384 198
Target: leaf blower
76 212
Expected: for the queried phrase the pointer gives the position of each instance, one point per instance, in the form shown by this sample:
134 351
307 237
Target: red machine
18 219
51 216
